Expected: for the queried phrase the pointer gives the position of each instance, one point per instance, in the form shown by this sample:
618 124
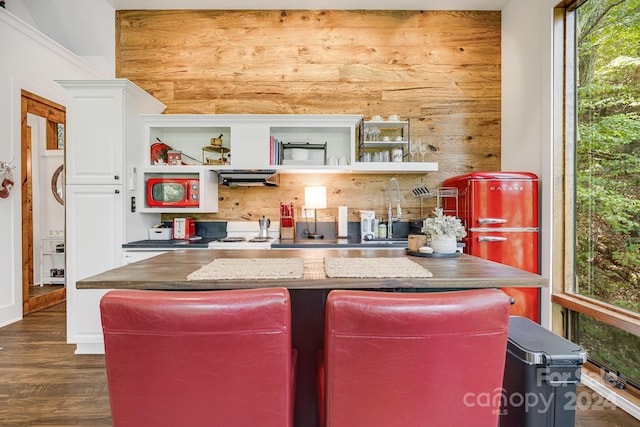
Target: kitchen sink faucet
398 210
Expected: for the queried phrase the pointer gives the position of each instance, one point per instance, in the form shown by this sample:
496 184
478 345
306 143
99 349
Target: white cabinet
335 134
259 141
248 139
94 244
207 189
101 116
104 149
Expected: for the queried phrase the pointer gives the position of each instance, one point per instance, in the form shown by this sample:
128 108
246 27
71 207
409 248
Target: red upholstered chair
209 358
413 359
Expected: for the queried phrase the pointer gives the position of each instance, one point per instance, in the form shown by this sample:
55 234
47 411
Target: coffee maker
264 223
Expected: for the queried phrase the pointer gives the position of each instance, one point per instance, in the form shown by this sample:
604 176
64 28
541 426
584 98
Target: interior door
54 116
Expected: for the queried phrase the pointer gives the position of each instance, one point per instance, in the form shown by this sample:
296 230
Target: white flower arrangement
443 226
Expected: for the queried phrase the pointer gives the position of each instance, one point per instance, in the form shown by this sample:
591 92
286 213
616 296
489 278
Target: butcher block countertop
169 271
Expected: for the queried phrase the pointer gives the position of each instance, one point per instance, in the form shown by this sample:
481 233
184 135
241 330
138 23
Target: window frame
564 239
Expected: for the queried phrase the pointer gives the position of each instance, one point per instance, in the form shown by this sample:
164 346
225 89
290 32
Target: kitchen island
169 272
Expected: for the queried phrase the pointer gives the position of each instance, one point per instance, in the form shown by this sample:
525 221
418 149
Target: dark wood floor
43 383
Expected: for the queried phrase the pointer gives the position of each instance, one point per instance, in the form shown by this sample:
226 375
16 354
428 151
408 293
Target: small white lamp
315 198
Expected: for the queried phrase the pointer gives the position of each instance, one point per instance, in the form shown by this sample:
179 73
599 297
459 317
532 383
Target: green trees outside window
607 215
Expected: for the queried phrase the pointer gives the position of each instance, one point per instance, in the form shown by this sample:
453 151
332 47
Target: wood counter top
169 271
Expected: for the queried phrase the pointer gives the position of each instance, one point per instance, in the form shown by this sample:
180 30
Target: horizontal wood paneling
441 69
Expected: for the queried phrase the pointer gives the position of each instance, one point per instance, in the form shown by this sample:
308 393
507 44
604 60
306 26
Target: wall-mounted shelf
52 261
249 141
380 136
208 191
311 160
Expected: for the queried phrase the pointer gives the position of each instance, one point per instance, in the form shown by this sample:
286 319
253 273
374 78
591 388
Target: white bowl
299 154
376 118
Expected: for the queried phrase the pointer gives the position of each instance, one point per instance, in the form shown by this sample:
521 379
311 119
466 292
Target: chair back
414 359
207 358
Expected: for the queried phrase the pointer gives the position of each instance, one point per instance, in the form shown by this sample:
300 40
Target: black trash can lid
536 345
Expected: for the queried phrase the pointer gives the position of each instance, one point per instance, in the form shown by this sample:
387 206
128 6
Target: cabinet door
94 137
104 132
94 228
94 232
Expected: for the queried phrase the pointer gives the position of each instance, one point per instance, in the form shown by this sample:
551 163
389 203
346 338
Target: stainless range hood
249 178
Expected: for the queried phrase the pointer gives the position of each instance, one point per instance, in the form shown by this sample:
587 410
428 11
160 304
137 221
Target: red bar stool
199 358
413 359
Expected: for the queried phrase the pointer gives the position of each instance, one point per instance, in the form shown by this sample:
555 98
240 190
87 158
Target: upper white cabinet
104 132
295 143
253 141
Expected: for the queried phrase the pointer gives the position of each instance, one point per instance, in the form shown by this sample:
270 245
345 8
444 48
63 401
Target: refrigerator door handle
492 221
491 239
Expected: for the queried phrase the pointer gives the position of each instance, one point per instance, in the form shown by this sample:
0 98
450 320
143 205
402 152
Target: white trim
10 321
89 348
616 399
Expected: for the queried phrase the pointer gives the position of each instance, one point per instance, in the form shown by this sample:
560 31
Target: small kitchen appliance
173 192
264 223
184 228
367 225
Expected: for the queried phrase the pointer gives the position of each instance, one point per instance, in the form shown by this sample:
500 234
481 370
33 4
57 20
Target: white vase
444 245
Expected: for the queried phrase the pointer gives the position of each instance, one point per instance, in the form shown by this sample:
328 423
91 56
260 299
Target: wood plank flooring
43 383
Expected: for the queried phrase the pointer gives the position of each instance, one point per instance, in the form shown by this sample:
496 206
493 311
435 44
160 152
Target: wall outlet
307 213
56 233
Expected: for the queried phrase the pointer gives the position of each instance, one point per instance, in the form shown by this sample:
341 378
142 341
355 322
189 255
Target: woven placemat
374 267
250 268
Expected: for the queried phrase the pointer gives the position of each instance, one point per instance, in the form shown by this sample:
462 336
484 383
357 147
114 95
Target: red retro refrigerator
500 213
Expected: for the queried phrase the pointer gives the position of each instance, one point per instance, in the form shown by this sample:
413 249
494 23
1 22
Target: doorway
42 243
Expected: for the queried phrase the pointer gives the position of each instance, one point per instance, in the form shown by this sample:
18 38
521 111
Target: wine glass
415 149
423 150
375 131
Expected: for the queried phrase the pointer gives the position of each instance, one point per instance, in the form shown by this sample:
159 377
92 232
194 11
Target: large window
604 145
608 152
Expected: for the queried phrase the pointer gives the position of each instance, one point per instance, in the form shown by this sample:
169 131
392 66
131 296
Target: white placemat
374 268
250 268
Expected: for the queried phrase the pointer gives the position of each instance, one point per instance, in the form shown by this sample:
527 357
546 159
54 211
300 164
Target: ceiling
311 4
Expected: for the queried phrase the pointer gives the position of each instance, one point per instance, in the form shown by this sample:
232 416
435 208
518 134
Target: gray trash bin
540 377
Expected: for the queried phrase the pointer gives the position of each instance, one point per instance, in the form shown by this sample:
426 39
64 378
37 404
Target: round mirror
57 184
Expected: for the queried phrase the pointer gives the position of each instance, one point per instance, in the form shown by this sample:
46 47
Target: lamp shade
315 197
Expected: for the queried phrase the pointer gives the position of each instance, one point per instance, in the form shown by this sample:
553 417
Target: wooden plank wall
440 69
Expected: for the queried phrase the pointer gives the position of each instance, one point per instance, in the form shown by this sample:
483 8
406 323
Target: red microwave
173 192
